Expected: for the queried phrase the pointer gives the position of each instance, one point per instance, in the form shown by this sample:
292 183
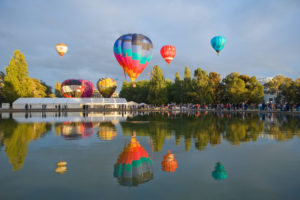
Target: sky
262 36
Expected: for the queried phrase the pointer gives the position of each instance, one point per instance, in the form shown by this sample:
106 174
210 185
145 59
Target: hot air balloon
168 52
106 87
134 165
73 88
107 131
218 43
76 130
61 167
219 173
61 49
133 52
169 163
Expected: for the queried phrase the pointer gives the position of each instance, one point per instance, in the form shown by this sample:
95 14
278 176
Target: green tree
217 89
157 90
187 86
255 91
201 88
2 75
17 82
48 90
277 85
38 89
177 91
57 89
235 88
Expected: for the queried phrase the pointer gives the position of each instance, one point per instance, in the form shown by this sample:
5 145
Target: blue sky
262 36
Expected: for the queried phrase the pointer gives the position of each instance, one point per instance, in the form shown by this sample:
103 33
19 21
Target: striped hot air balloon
73 88
168 52
134 165
169 163
106 87
61 49
133 52
218 43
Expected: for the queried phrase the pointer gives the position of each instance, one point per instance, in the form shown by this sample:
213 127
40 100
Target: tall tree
235 88
215 86
39 90
57 89
178 89
201 87
157 90
277 85
17 82
187 85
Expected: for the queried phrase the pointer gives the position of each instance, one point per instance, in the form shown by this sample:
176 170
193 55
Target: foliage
57 89
157 89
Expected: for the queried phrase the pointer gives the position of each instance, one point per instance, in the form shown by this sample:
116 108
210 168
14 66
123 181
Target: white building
68 103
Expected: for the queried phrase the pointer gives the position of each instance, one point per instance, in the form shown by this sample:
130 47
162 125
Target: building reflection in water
76 130
133 166
107 131
219 173
169 163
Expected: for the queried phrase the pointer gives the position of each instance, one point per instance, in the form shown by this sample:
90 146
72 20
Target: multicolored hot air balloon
169 163
134 165
133 52
219 173
106 87
61 49
168 52
76 130
107 131
218 43
73 88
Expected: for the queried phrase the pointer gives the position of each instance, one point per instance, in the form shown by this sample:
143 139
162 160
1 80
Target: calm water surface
216 156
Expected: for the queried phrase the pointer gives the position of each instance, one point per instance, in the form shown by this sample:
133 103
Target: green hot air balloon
219 173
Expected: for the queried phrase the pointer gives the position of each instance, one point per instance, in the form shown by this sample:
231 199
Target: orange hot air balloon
169 164
168 52
61 49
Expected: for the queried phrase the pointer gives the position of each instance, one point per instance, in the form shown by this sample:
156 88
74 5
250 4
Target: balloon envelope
133 52
106 87
76 130
169 163
218 43
73 88
168 52
61 48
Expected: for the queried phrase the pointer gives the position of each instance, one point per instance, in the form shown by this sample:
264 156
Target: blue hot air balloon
219 173
218 43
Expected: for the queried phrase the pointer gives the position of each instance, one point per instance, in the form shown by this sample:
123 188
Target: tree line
205 88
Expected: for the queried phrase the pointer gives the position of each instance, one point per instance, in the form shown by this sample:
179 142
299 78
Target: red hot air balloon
168 52
169 164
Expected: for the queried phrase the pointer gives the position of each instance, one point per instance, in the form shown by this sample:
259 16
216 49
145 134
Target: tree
2 75
17 82
177 91
276 85
234 88
255 91
48 89
201 87
57 89
217 89
39 90
157 90
187 85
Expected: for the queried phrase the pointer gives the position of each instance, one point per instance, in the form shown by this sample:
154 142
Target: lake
125 156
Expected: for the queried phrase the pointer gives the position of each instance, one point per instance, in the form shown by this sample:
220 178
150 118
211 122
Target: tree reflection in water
16 138
205 128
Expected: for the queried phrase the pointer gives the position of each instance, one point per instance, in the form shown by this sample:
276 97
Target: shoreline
144 110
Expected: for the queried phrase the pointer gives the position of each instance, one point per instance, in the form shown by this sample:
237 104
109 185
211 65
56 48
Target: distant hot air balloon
219 173
61 49
106 87
73 88
133 52
218 43
169 164
168 52
134 165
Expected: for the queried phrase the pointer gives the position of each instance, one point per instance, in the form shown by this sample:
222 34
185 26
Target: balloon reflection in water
107 131
61 167
169 164
77 130
134 165
219 173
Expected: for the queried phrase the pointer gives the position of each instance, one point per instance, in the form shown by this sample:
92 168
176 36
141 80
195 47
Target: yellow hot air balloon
106 87
61 48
